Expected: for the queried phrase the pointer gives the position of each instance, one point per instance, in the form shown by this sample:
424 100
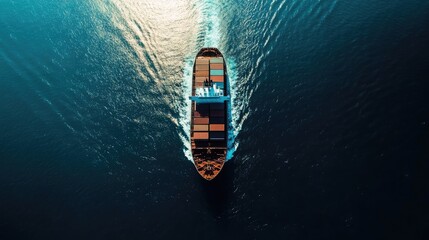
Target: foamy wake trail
185 110
210 22
234 125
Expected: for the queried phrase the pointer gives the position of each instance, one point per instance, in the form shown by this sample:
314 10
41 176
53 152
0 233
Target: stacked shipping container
208 123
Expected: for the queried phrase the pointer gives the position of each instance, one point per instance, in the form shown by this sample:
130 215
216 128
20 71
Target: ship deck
209 120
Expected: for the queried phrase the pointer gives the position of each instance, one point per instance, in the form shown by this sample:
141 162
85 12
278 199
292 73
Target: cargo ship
209 118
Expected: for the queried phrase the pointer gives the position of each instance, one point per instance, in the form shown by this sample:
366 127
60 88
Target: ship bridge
209 94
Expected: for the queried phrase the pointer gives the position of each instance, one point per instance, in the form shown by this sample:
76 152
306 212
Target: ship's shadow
218 191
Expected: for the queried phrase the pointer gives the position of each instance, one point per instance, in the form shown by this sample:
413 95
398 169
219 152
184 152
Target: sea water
329 119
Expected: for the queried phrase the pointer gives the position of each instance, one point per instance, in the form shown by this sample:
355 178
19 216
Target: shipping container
217 127
201 120
216 66
201 73
217 106
217 135
202 61
217 78
200 67
201 128
217 120
216 60
200 79
201 135
201 106
216 72
217 113
203 113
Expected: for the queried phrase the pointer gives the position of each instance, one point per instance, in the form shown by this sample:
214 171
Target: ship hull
209 119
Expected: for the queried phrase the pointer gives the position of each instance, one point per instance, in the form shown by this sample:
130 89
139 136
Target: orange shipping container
201 135
202 74
217 78
202 61
202 121
217 66
217 127
200 79
202 67
201 128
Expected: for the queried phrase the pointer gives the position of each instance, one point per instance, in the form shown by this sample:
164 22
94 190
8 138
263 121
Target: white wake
210 24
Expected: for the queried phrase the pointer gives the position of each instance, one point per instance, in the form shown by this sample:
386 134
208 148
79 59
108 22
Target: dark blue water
330 111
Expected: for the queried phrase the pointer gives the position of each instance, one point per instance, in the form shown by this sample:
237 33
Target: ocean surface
330 111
